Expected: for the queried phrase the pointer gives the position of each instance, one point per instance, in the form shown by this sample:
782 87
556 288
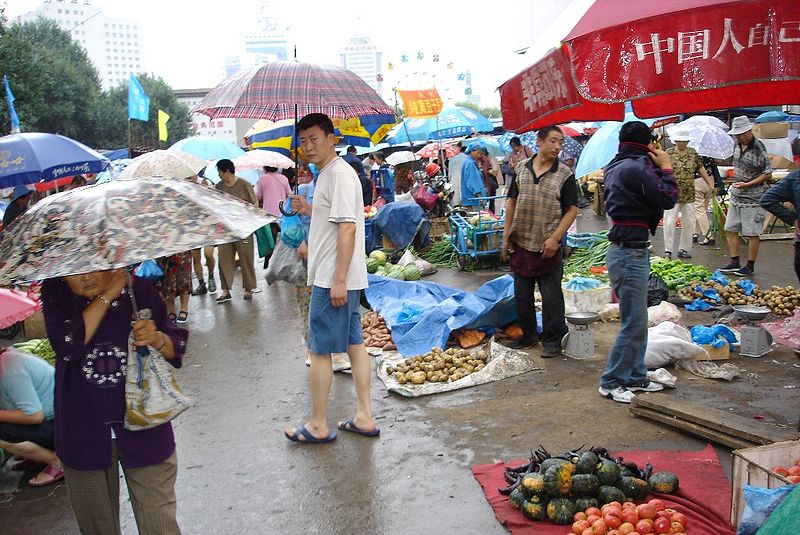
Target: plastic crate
751 466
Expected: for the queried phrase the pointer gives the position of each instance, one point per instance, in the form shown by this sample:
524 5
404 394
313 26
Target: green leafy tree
488 111
55 84
112 116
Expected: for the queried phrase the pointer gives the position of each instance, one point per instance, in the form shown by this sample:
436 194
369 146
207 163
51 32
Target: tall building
228 129
364 58
269 42
114 45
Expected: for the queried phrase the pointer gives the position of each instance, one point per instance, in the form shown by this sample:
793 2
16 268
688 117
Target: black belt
632 244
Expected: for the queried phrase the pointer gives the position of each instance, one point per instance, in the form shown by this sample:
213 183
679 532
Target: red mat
704 495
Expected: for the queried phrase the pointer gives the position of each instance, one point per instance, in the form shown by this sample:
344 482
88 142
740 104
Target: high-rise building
364 58
114 45
269 42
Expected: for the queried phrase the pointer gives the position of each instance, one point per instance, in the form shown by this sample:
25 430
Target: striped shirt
747 166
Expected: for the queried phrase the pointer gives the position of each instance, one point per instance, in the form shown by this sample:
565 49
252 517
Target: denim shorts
331 330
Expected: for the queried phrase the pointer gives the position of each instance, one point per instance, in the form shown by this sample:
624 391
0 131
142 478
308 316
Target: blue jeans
628 272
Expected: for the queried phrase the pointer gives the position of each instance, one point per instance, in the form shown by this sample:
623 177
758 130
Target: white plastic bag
663 377
668 343
664 311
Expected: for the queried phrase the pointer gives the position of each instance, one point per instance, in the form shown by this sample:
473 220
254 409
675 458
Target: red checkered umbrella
431 150
288 89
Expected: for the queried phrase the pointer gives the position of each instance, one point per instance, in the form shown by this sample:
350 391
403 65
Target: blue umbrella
210 172
570 147
34 157
777 117
603 145
208 148
453 121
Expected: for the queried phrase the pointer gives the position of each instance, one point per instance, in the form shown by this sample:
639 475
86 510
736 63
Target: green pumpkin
607 494
561 511
516 497
663 482
607 472
558 479
585 484
536 509
533 484
547 463
582 503
633 487
587 463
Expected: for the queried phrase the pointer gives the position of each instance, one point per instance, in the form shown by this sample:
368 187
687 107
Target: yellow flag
163 117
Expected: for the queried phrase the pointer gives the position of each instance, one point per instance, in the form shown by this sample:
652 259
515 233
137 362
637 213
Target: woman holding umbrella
88 319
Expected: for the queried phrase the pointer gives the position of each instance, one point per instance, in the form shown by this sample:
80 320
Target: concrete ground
244 369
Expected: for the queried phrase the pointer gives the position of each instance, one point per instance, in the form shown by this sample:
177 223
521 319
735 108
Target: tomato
628 504
658 504
781 471
588 531
677 527
663 514
794 470
793 479
593 518
594 511
643 527
630 515
661 525
580 526
599 527
580 515
626 528
646 510
612 521
680 517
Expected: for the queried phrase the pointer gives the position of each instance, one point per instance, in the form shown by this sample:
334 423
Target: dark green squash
607 494
561 511
587 463
663 482
547 463
633 487
585 483
582 503
516 497
558 479
533 484
607 472
535 510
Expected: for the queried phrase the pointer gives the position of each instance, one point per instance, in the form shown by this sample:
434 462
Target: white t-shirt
337 199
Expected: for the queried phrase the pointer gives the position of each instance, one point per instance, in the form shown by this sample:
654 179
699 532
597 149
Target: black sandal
708 240
183 316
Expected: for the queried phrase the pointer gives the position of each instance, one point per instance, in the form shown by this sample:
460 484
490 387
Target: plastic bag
697 304
746 285
664 311
662 376
407 314
719 278
284 265
579 284
709 293
425 197
657 290
293 233
668 343
150 270
717 336
759 504
785 518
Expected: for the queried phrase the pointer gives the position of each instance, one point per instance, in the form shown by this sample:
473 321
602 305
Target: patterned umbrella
431 150
120 223
707 140
256 159
167 163
288 89
32 157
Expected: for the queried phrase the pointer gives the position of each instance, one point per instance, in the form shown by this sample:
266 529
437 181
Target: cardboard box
779 162
715 353
34 326
771 130
751 466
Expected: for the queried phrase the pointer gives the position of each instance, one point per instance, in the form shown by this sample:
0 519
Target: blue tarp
432 311
399 222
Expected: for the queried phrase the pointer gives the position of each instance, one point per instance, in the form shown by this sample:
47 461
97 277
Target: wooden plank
692 428
778 236
747 429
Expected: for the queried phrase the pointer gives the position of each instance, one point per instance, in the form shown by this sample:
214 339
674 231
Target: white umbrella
256 159
709 120
403 156
707 140
172 164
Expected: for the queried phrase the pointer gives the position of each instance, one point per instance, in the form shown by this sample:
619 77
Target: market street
244 369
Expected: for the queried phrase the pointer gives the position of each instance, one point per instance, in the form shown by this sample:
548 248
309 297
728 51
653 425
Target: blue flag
138 101
11 110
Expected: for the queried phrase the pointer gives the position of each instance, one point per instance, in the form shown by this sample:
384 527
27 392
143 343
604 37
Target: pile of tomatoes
649 518
792 473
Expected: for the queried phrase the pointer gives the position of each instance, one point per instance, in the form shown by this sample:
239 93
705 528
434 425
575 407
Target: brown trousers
227 263
94 496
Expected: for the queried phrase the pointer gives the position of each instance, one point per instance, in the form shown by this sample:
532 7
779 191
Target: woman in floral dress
177 283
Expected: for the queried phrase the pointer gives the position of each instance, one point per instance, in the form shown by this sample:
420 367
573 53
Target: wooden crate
439 226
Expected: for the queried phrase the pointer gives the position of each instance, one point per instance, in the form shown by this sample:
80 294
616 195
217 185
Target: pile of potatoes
780 300
439 366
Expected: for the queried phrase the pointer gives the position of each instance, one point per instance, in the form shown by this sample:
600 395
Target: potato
480 366
482 354
408 375
429 375
401 379
418 378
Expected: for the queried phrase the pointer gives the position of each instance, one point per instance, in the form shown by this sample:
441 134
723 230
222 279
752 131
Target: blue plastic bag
579 284
697 304
759 504
718 277
293 233
716 335
746 285
710 293
150 270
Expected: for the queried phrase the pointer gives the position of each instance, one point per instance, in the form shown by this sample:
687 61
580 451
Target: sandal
183 316
708 240
55 474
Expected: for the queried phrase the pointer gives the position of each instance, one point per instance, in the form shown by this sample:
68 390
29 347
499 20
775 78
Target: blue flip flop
350 425
308 437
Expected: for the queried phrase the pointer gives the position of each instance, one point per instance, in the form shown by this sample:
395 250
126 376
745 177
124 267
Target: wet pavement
244 370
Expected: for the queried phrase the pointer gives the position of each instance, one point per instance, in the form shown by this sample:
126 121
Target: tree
112 115
55 84
488 112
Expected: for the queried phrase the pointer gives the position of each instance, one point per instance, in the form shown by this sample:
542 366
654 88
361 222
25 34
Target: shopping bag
284 265
293 233
150 270
266 244
152 394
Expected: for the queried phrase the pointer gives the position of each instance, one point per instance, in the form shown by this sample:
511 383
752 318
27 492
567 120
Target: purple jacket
90 380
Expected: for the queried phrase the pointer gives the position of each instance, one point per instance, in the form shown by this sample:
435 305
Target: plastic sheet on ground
444 309
786 331
503 362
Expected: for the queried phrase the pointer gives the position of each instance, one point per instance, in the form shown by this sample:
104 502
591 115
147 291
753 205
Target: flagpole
129 137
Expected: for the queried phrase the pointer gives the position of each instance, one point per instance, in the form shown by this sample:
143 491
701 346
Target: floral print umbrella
120 223
169 163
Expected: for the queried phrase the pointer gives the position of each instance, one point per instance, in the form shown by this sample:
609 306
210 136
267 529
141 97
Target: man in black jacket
639 186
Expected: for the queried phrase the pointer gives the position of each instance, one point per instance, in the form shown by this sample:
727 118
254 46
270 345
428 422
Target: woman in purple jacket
88 319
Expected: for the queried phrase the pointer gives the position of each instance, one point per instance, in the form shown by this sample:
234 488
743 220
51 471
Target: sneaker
200 290
212 285
549 352
732 267
668 255
649 386
684 254
522 344
744 271
340 362
620 394
224 298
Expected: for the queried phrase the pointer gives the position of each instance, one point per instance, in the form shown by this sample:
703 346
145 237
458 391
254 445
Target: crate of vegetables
769 466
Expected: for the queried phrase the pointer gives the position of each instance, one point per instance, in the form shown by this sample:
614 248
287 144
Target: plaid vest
538 209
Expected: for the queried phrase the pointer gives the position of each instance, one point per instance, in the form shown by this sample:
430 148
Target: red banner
421 103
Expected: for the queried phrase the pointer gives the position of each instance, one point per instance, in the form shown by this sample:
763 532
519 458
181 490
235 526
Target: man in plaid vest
542 204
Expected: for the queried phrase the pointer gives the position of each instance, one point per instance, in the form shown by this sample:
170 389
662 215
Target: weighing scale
578 343
756 341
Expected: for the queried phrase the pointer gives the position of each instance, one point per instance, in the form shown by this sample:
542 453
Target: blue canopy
777 117
116 154
452 121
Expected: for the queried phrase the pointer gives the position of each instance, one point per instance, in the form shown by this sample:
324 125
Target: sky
186 42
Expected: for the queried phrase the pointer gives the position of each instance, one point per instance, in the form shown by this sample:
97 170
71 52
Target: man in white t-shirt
337 274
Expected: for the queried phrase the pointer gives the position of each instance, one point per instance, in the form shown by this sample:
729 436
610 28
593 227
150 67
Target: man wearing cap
471 176
751 173
542 204
19 204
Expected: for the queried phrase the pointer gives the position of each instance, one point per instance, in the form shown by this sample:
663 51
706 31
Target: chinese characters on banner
421 103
